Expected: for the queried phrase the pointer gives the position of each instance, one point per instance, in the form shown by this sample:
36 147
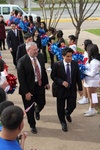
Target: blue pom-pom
44 40
78 57
41 31
23 25
16 20
82 68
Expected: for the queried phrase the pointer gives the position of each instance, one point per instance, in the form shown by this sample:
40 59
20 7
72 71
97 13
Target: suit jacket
21 51
14 41
58 75
26 75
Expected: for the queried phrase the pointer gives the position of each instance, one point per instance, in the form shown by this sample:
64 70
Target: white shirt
73 47
3 79
93 74
15 31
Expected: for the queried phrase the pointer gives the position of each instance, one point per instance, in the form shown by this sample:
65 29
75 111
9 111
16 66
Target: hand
10 49
28 96
4 85
80 93
65 84
47 86
23 136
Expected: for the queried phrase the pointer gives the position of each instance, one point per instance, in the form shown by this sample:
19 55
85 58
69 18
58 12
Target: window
6 10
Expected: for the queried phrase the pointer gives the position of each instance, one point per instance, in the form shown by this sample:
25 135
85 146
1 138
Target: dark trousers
71 105
13 53
44 53
2 42
39 99
51 58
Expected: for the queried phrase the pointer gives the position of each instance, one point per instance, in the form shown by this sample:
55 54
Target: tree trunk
11 1
25 3
77 32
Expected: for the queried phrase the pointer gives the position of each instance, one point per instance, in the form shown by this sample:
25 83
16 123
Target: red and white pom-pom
12 81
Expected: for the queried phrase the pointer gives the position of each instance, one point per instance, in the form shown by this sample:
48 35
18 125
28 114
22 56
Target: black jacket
58 75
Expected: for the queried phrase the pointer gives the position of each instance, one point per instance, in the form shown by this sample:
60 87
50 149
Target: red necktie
37 72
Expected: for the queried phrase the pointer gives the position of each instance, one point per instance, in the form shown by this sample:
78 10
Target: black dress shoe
4 48
69 119
64 127
1 48
37 116
34 130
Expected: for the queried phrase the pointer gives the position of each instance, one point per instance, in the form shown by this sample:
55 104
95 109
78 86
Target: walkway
83 133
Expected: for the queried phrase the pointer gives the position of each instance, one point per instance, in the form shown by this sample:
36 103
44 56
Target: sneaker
49 69
89 114
86 111
83 101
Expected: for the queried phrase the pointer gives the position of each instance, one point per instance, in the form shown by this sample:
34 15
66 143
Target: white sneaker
86 111
49 69
83 101
89 114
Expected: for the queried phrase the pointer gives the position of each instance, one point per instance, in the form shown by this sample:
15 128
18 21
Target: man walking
67 77
21 50
14 39
33 81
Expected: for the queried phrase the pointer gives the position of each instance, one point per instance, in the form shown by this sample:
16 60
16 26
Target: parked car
6 9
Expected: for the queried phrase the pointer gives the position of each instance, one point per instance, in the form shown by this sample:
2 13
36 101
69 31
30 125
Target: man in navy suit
67 77
14 39
31 89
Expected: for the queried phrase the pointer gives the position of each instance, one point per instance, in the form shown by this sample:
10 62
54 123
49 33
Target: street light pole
29 7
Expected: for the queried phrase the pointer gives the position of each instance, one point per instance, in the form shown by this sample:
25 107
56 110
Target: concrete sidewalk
83 133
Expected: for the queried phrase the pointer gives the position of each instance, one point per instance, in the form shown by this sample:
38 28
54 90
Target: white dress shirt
15 31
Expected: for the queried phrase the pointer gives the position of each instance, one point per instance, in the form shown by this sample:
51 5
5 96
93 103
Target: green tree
79 11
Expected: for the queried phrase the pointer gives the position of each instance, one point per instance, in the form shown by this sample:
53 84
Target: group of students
42 36
37 28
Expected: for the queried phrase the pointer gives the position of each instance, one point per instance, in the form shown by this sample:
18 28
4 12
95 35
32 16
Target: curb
69 20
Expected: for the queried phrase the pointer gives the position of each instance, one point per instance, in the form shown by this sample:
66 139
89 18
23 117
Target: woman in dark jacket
36 38
2 33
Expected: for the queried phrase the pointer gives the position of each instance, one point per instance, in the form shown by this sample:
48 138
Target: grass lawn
94 31
3 2
38 9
